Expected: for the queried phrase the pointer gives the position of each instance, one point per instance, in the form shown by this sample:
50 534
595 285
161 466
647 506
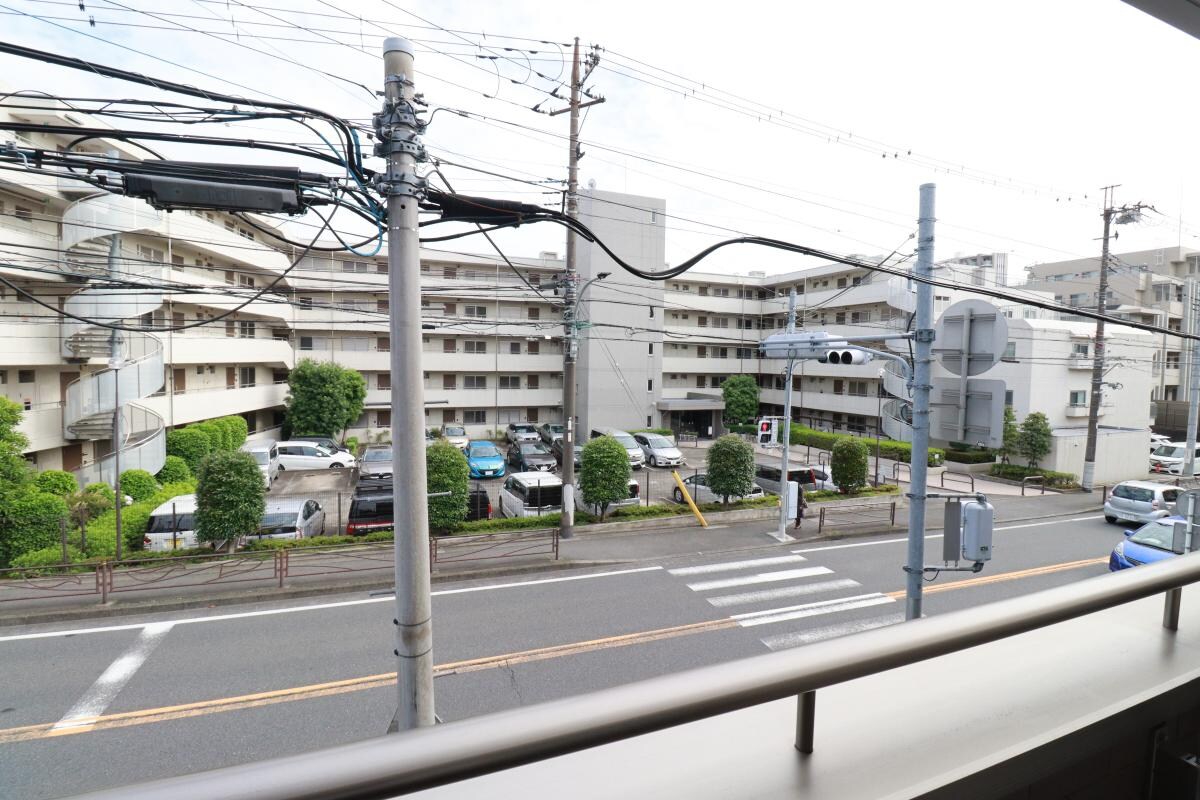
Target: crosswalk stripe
764 595
729 566
783 641
810 610
762 577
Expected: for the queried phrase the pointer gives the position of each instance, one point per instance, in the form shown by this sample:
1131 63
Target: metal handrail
419 759
959 475
1040 480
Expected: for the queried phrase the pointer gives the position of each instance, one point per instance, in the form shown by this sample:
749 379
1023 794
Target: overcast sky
812 122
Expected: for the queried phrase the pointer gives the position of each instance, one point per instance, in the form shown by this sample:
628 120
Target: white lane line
810 610
113 680
729 566
764 595
783 641
939 536
317 606
762 577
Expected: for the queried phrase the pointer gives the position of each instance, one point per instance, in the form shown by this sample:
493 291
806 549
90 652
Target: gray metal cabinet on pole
399 142
922 384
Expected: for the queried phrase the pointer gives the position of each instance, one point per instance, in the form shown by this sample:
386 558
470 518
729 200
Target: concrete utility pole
399 141
1117 216
785 486
921 385
116 358
1193 317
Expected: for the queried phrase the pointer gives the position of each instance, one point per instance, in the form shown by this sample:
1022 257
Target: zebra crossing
787 589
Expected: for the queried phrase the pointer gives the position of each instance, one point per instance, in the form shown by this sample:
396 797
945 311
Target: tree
14 469
1035 438
1012 436
29 520
229 497
323 398
741 398
191 444
138 484
56 482
848 463
175 470
446 471
604 472
730 463
85 505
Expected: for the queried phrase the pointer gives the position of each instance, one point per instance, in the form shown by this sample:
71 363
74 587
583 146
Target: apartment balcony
43 185
707 304
321 317
43 426
361 360
218 241
1076 412
863 405
715 366
33 350
185 349
438 360
193 406
493 398
1080 362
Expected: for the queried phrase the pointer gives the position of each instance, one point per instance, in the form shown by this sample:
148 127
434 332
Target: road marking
1006 576
385 679
939 536
320 606
729 566
785 641
770 616
762 577
110 683
765 595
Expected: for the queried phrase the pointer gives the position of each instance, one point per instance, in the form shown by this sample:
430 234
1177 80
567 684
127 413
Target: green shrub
102 531
56 482
378 536
660 431
229 497
740 393
848 463
517 523
603 473
239 429
738 427
215 432
104 490
174 470
292 544
888 448
138 484
446 471
970 456
869 491
48 557
1054 480
352 444
730 466
191 444
30 520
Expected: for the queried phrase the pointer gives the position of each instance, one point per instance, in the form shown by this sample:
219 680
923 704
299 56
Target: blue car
484 460
1149 543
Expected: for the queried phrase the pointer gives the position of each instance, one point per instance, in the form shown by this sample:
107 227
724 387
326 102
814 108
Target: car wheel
337 466
282 468
678 496
1110 520
654 461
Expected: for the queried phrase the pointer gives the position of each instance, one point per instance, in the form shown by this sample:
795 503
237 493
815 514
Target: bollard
62 535
337 527
174 528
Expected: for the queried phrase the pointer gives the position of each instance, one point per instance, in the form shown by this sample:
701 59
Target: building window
246 376
841 283
535 312
382 305
699 381
358 344
449 415
245 330
1008 397
649 384
475 311
857 317
475 416
383 380
449 381
651 350
473 346
449 346
246 282
722 291
720 352
383 418
1080 349
230 328
475 381
1078 398
714 381
702 321
200 370
532 382
23 213
719 322
514 348
383 344
531 415
701 351
745 352
839 318
703 291
1010 350
510 381
533 348
450 309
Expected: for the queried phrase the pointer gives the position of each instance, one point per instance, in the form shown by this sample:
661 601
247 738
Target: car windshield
1139 493
484 451
1157 534
454 430
377 455
534 448
658 442
278 519
1170 451
524 429
555 428
163 523
626 441
322 450
261 457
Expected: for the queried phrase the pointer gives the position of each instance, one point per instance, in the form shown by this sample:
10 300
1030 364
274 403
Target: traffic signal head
766 431
848 357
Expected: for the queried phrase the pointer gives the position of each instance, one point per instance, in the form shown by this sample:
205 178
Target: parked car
531 457
429 438
1140 501
530 494
1149 543
809 477
521 432
1157 440
291 518
172 526
306 455
456 435
267 458
327 442
376 462
557 449
697 486
1169 458
658 450
479 504
484 460
636 459
372 507
551 431
635 497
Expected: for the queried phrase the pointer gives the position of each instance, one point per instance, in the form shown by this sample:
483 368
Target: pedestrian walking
801 504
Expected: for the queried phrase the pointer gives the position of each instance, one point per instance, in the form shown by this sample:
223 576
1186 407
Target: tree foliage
848 463
229 497
323 398
29 520
191 444
1035 438
446 471
730 464
85 505
138 484
174 470
14 469
56 482
1012 436
604 473
741 398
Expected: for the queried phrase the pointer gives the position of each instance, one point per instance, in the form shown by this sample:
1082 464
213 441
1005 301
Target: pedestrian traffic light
766 431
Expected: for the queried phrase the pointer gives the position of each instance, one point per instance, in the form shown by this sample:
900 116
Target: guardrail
857 514
896 466
1040 480
959 476
387 766
452 549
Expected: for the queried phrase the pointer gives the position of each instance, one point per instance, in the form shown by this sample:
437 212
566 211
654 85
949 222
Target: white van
172 526
267 458
636 457
531 494
306 455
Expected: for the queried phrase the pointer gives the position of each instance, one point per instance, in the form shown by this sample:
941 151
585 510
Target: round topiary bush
104 490
175 470
848 462
138 484
191 444
56 482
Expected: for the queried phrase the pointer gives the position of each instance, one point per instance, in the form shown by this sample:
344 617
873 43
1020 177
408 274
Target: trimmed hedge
191 444
138 484
48 557
1054 480
896 451
174 470
660 431
870 491
29 521
56 482
314 541
970 456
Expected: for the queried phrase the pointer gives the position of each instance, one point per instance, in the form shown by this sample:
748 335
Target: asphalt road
140 698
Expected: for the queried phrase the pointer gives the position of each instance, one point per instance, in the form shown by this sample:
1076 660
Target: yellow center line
1003 577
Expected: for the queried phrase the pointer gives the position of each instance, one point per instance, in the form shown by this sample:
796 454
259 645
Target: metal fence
851 515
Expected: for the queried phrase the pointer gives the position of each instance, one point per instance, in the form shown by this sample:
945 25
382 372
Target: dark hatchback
372 510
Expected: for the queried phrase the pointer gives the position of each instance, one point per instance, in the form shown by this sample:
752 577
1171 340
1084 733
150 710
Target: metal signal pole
785 486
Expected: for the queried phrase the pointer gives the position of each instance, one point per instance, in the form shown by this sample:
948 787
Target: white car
635 497
658 450
456 435
1140 501
1157 440
376 462
290 518
306 455
518 432
1169 458
172 526
697 486
267 458
530 494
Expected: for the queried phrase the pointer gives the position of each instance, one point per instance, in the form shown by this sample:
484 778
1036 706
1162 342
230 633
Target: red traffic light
764 427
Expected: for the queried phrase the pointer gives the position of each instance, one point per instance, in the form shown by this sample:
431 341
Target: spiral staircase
133 361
